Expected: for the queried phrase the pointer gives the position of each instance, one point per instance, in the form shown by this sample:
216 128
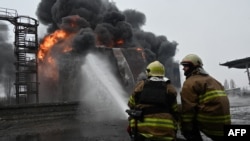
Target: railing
4 12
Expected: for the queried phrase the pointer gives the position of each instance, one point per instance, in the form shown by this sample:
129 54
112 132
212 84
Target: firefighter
155 96
205 105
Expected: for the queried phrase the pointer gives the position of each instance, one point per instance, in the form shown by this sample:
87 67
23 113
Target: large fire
49 41
46 59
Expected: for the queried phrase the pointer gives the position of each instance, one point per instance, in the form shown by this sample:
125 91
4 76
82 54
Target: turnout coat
205 105
159 118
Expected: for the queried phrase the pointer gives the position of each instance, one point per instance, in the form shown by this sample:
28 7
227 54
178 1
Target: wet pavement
87 128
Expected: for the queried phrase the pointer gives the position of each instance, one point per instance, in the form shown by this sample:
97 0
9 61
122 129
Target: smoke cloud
101 23
108 22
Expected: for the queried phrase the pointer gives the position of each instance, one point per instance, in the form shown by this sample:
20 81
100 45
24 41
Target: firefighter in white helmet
156 98
205 105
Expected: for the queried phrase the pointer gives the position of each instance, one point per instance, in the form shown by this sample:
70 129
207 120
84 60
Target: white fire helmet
192 59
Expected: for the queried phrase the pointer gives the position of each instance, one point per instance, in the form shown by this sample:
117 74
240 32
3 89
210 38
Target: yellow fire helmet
192 59
155 69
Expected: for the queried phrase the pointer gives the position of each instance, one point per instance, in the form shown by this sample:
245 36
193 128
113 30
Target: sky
216 30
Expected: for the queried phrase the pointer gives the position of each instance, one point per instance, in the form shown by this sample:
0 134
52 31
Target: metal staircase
25 50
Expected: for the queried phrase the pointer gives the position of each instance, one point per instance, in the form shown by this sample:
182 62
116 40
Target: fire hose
136 115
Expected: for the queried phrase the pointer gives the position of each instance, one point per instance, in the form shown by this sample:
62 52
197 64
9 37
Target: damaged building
73 32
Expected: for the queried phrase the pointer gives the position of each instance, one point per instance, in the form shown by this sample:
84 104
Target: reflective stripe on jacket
161 126
156 128
205 105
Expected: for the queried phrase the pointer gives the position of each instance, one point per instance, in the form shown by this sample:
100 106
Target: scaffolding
25 50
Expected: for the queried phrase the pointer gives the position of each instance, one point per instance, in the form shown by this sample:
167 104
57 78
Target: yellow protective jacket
205 104
158 125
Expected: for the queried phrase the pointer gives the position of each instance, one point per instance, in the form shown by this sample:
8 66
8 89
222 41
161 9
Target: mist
7 58
102 91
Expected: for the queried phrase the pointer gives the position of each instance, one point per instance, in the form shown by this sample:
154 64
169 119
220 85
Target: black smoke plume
101 23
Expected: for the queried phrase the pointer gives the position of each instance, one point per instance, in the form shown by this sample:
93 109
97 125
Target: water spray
102 89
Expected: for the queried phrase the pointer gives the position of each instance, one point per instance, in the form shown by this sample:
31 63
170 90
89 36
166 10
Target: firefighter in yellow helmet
205 105
156 98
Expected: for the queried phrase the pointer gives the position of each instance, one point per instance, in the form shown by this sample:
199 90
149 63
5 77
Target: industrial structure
239 64
25 50
66 120
128 62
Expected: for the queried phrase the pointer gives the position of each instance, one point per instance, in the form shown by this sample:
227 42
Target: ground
85 127
64 130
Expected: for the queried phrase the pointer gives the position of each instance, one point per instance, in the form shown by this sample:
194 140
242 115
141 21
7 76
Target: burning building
76 28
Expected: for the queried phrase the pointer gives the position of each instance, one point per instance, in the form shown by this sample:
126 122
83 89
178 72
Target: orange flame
120 42
49 67
49 41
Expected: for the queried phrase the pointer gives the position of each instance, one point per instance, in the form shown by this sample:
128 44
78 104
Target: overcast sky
216 30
